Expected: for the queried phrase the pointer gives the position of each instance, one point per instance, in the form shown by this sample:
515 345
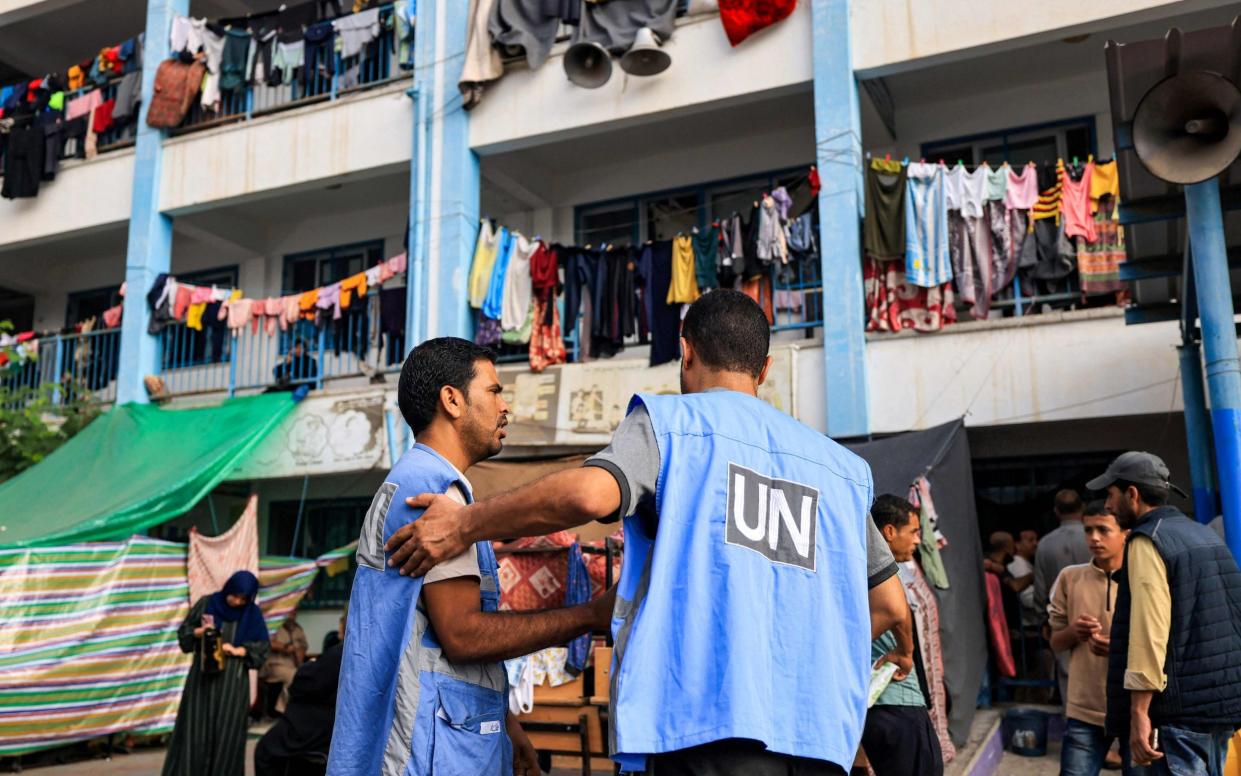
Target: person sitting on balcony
298 368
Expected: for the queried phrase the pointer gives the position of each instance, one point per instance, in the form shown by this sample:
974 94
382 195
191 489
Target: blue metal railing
220 360
71 367
325 75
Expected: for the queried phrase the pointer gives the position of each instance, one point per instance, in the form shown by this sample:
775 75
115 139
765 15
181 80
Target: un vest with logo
1203 662
403 709
746 615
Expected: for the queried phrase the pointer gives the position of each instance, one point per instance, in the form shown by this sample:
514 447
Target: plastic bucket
1027 731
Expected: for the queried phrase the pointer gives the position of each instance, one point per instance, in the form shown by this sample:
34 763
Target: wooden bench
570 724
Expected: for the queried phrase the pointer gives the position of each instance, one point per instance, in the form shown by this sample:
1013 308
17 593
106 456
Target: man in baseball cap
1173 680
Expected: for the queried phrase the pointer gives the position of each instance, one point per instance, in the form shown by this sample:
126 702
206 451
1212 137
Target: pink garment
112 316
291 306
211 560
239 313
329 299
1022 190
258 308
926 621
397 264
274 310
373 275
200 294
83 105
1075 205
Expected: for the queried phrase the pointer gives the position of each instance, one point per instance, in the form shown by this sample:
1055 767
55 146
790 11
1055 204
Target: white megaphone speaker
645 57
1187 128
588 64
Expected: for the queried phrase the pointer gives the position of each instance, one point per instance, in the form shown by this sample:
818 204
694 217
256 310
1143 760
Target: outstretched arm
556 502
468 634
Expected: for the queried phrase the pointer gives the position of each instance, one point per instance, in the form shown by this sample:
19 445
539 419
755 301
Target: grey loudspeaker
1187 128
588 65
645 57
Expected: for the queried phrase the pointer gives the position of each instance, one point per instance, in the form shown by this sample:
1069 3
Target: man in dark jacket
1174 678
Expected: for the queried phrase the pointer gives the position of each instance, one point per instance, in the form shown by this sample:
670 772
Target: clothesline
172 300
795 183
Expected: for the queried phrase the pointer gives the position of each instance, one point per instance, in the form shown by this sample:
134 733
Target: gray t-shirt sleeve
879 561
632 458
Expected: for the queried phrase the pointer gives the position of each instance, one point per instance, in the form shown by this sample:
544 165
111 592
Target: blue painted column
149 248
443 201
1197 432
838 144
1219 345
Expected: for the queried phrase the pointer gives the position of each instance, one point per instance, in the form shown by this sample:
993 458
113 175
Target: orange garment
1104 181
759 289
347 287
684 285
75 78
306 303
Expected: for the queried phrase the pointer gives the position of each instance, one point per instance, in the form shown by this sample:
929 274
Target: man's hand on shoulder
434 537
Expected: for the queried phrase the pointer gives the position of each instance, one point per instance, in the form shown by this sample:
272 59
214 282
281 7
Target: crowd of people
760 621
1141 607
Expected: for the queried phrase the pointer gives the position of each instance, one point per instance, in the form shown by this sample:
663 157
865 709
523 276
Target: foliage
34 421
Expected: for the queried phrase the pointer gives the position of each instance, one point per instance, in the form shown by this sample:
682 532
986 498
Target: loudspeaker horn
645 57
588 64
1187 128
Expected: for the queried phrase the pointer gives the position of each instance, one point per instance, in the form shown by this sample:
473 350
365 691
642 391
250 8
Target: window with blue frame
793 294
313 269
184 346
309 529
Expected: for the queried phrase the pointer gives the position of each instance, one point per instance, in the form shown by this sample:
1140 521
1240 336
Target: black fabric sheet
943 455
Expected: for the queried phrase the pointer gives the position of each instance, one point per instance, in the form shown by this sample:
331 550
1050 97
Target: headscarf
249 618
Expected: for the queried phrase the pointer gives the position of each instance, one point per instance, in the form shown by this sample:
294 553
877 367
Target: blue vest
403 709
748 618
1204 634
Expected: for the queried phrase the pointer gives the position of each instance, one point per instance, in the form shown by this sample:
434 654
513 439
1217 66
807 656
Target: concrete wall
1068 366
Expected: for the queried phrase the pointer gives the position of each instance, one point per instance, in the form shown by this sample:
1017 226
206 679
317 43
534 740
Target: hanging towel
356 30
1022 190
518 285
928 262
884 225
211 560
484 260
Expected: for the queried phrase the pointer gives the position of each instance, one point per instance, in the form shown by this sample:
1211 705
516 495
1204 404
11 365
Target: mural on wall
581 404
324 434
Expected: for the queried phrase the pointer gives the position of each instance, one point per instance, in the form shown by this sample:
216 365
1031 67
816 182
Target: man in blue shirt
423 690
899 738
753 579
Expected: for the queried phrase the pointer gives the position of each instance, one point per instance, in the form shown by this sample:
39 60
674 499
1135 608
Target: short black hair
1068 502
1151 495
428 368
1096 508
729 331
892 510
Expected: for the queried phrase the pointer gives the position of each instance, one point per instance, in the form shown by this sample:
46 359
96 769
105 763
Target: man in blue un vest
753 580
423 691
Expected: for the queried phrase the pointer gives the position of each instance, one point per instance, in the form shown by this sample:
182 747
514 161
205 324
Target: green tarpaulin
133 467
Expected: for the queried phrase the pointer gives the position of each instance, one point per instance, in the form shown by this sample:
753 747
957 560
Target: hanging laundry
482 59
884 224
965 191
663 315
356 31
1022 190
320 54
684 285
112 316
893 305
1050 193
546 343
75 78
517 285
287 59
1075 202
969 243
187 34
194 316
485 249
403 14
128 93
1104 182
176 86
1098 262
234 60
997 183
520 26
743 18
928 262
772 242
706 258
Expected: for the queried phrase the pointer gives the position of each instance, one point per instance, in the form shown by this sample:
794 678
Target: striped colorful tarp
88 636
